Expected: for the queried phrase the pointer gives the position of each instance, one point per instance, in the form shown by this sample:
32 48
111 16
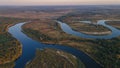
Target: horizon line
69 5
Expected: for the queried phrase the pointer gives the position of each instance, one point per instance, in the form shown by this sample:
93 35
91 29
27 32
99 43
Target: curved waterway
29 47
115 32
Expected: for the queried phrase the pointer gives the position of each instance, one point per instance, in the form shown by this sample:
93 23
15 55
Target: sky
59 2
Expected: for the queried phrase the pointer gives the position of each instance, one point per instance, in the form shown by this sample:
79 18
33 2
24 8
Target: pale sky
59 2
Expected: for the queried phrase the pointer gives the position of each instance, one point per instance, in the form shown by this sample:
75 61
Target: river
29 45
115 32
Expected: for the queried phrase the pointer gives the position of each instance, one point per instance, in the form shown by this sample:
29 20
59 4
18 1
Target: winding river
29 45
115 32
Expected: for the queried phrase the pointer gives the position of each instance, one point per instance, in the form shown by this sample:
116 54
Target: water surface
115 32
29 47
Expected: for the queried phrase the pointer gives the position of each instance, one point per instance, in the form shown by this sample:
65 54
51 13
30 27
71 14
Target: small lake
29 45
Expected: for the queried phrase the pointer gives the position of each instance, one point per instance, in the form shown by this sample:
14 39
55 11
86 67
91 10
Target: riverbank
10 48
